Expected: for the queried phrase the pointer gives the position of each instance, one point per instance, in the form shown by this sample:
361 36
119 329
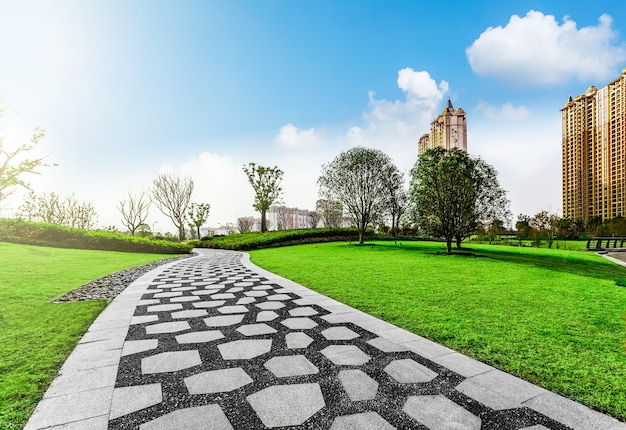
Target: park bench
606 243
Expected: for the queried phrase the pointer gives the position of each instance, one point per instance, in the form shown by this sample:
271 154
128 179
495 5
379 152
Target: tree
314 219
245 224
357 178
13 164
452 194
134 210
523 227
330 212
547 225
198 214
265 182
55 209
282 217
397 200
172 195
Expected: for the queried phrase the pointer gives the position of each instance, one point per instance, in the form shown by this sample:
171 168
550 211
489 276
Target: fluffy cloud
505 112
291 137
536 49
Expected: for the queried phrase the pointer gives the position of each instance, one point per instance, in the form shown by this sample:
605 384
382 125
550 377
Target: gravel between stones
108 287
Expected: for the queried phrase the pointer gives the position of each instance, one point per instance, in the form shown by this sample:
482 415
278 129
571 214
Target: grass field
36 336
555 318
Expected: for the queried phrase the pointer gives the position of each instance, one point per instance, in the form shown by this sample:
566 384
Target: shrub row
255 240
42 234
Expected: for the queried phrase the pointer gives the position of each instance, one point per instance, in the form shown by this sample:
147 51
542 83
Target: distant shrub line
43 234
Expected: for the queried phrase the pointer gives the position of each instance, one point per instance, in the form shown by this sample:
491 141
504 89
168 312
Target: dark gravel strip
108 287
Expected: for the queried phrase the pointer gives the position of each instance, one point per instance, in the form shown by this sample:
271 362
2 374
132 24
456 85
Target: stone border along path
214 342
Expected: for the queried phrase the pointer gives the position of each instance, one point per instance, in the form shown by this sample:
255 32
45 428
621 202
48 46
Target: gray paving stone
255 293
190 313
305 311
245 301
199 336
536 427
136 346
96 423
263 287
221 296
287 405
358 385
82 380
297 340
345 355
167 327
234 290
462 364
90 359
243 284
407 371
499 390
362 421
386 345
184 299
244 349
167 294
339 333
237 309
427 348
290 365
204 292
93 336
270 305
279 297
143 319
170 361
134 398
223 320
198 418
217 381
184 289
255 329
266 316
166 307
208 304
299 323
440 413
146 302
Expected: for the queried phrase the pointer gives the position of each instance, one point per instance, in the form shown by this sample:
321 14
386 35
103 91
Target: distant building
284 218
594 153
448 130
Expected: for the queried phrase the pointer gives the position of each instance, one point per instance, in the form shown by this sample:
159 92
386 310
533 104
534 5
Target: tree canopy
198 214
265 182
453 193
172 195
357 178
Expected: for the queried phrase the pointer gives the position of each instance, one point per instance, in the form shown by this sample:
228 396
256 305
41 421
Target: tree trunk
198 227
181 232
449 245
263 222
361 232
459 239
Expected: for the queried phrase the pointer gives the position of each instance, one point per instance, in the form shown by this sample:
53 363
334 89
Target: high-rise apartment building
594 153
448 130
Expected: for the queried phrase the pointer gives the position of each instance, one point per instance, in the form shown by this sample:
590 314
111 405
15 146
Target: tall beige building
448 130
594 153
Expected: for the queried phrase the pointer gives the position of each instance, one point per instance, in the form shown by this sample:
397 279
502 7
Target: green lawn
36 336
555 318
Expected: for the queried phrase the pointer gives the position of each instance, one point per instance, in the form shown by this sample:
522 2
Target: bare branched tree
314 219
172 195
56 209
134 210
245 224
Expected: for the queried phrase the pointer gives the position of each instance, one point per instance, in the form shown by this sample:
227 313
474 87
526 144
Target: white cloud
506 111
536 49
291 137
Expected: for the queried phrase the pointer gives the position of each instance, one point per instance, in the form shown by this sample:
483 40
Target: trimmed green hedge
256 240
42 234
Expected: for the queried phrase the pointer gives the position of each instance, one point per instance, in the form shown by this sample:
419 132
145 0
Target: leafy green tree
397 200
452 193
172 195
523 227
357 178
198 214
265 182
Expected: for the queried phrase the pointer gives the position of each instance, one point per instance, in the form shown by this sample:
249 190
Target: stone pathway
213 342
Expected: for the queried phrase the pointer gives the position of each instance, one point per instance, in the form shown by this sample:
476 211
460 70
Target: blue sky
128 89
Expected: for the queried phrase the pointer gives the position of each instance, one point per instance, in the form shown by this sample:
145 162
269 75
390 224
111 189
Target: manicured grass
36 336
555 318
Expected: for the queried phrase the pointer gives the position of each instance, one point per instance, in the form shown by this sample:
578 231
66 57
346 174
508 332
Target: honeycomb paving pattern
214 345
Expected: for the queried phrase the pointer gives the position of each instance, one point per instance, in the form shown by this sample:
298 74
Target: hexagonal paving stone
134 398
287 405
170 361
358 385
386 345
223 320
184 289
305 311
299 323
255 293
237 309
244 349
217 381
167 294
291 365
345 355
440 413
223 296
362 421
297 340
263 287
199 336
339 333
246 300
234 290
270 305
191 313
197 418
184 299
266 316
535 427
279 297
208 304
407 371
167 327
135 346
255 329
243 284
167 307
